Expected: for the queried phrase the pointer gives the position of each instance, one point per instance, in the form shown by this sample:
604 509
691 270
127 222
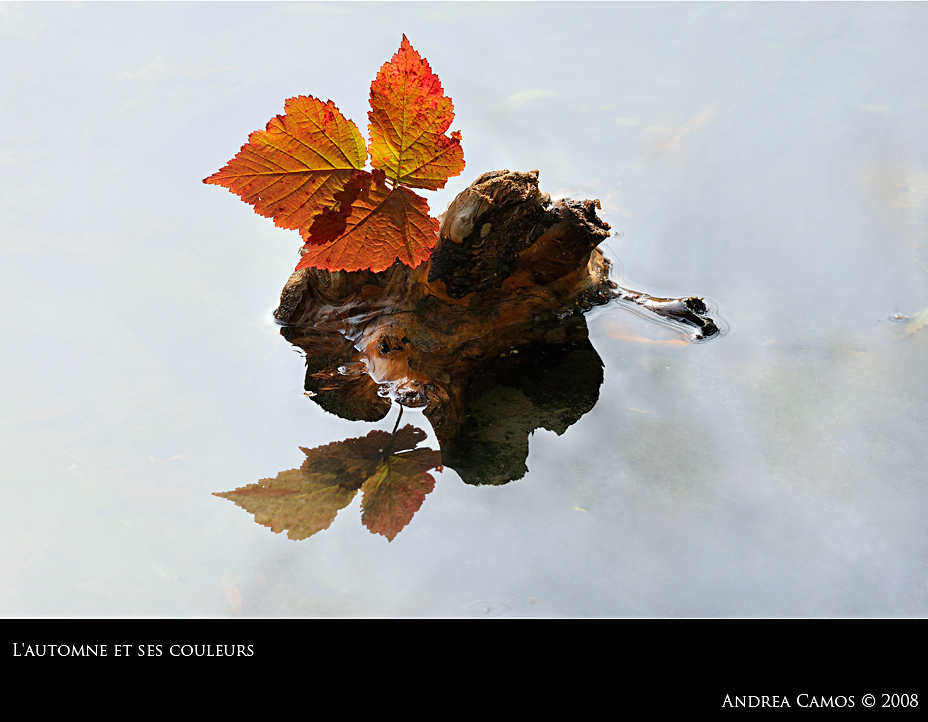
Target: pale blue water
770 157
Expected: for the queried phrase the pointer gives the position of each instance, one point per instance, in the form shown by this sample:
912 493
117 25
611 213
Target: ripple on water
485 602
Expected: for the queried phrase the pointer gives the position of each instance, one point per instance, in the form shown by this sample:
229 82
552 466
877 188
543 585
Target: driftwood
488 336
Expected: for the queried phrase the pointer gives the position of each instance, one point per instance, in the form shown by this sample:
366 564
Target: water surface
769 157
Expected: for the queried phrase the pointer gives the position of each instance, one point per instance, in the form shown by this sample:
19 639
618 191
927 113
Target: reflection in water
488 338
388 469
545 384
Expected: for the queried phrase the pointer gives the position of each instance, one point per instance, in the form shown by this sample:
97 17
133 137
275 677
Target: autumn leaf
292 170
306 171
396 491
333 222
384 225
305 501
408 119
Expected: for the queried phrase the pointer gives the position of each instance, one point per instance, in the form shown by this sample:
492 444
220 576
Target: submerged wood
500 302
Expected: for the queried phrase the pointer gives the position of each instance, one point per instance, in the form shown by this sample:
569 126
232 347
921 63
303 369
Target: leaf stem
397 425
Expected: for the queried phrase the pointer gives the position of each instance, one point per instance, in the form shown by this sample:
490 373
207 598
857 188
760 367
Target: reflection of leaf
396 491
407 438
305 501
920 320
294 500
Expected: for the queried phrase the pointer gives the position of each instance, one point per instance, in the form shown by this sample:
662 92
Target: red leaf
293 170
408 119
384 226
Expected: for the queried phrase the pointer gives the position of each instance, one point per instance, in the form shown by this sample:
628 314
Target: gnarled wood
499 304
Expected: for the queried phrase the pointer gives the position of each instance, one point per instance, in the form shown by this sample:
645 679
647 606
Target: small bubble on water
485 603
898 318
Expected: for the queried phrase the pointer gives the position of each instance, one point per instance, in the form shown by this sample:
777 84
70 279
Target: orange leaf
333 222
383 226
408 120
292 170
